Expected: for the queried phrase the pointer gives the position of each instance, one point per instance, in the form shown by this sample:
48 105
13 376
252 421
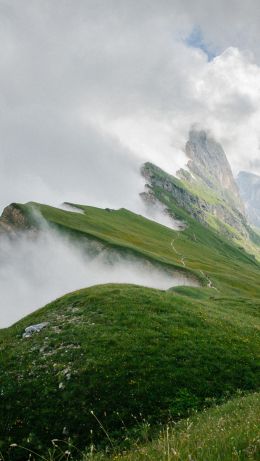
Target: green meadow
116 358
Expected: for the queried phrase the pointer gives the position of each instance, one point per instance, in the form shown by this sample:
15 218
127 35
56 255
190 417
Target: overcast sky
89 89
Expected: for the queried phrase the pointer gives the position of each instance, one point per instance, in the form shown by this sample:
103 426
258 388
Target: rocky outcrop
196 206
206 189
13 219
157 178
249 186
155 208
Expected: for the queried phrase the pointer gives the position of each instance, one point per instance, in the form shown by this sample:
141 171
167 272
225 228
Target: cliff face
198 207
209 164
13 219
249 186
207 189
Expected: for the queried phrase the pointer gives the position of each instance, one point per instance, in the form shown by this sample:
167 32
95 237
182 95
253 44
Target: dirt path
210 284
182 260
182 257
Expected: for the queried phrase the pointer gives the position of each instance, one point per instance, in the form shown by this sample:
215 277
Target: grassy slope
202 248
229 432
128 350
131 349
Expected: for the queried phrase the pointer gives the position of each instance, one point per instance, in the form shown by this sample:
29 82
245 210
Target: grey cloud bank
91 89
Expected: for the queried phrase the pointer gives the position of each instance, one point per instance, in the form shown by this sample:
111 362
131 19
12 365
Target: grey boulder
32 329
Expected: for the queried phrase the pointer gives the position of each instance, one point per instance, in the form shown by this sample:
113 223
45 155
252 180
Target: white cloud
222 95
24 261
89 90
228 90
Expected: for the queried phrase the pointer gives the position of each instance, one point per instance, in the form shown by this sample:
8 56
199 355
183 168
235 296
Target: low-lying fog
36 270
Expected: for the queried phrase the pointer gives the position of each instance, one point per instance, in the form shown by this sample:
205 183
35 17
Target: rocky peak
208 163
13 219
206 190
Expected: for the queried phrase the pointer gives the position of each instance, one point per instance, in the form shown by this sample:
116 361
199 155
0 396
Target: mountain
249 186
206 190
208 163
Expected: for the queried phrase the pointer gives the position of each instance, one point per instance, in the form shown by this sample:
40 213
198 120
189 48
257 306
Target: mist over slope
43 264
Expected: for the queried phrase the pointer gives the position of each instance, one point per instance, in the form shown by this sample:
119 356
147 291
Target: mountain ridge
202 194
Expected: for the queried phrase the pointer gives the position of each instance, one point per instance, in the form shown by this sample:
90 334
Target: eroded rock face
157 178
13 220
249 186
196 206
209 163
207 189
153 206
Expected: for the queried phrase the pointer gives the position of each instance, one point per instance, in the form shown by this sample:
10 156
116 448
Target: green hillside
201 247
122 353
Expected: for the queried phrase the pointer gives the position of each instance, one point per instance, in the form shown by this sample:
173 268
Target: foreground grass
118 351
229 432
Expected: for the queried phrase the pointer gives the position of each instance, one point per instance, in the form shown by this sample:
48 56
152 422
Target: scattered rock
32 329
